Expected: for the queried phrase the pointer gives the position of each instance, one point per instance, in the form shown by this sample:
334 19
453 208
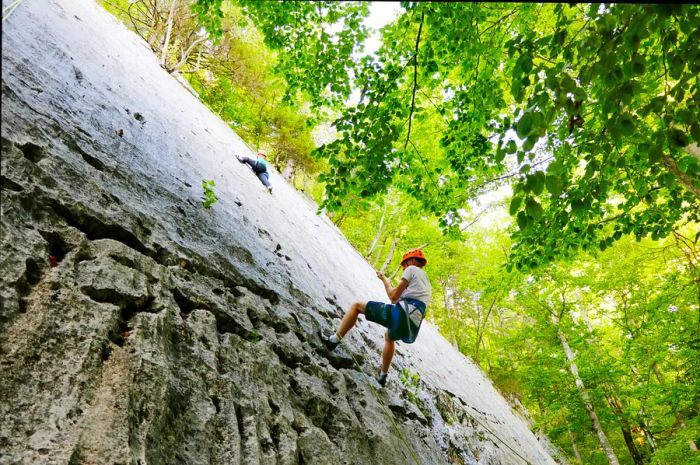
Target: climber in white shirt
402 317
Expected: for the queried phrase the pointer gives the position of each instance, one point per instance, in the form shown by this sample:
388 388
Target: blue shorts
395 319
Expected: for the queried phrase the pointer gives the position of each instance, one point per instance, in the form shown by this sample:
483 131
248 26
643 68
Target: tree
602 98
169 27
629 309
315 40
612 94
555 303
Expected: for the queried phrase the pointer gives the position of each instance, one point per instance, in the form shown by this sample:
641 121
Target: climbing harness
415 311
260 166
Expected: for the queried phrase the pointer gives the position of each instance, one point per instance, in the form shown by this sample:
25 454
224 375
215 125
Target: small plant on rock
209 198
410 380
255 336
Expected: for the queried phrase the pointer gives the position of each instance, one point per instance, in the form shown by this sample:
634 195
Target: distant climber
402 317
259 167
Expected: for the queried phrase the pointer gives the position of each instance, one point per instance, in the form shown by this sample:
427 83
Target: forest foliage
578 290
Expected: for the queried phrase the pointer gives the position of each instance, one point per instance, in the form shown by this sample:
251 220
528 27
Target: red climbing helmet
415 253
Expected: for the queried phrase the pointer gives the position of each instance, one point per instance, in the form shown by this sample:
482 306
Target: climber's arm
394 293
246 160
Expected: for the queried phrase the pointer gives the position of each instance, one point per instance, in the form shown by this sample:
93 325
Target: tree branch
420 157
186 54
497 22
476 218
415 80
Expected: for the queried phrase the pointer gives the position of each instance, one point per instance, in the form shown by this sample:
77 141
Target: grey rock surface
139 328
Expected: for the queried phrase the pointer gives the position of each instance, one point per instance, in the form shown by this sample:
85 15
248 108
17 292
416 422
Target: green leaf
638 66
554 167
534 209
677 138
654 154
500 155
539 126
577 205
536 182
553 184
688 165
695 132
515 203
524 126
567 84
676 66
523 221
529 143
667 180
517 90
627 125
209 196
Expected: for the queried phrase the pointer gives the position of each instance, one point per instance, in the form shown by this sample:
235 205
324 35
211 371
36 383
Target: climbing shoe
269 189
330 345
381 378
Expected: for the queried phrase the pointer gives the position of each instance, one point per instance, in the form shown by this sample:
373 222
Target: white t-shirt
418 284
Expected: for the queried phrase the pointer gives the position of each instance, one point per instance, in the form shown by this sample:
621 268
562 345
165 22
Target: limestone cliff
138 327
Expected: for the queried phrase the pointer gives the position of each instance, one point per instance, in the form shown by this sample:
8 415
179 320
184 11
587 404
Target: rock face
138 327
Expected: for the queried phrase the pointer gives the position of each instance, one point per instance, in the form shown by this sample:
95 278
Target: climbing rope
9 9
496 436
414 454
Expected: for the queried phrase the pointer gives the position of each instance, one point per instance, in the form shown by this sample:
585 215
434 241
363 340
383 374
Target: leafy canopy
590 111
315 41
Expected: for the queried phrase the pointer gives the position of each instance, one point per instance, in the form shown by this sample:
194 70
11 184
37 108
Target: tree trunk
288 170
166 41
540 405
378 253
457 310
681 421
450 322
339 219
647 432
185 54
688 181
602 438
152 33
377 236
389 257
481 329
574 448
616 407
396 271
